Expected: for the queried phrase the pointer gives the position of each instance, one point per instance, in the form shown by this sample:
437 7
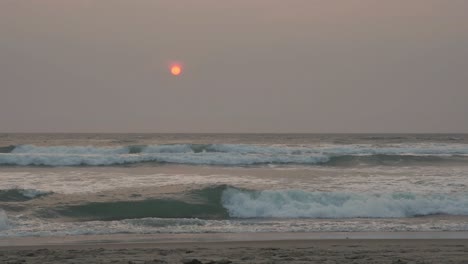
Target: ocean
80 184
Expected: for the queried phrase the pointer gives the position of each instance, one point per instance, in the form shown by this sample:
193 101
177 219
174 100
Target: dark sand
235 251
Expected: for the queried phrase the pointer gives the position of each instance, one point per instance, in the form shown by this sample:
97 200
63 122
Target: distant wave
19 195
234 154
225 202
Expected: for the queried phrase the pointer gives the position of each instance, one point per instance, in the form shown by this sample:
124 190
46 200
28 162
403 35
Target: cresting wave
233 154
302 204
203 204
224 202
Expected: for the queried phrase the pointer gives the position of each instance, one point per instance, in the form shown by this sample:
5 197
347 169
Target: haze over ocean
263 66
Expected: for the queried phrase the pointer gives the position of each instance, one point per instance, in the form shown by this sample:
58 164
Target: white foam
38 227
302 204
182 158
218 154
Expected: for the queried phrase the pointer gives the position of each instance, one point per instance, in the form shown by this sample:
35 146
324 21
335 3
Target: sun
176 69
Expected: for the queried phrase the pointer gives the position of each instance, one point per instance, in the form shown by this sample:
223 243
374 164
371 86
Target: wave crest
234 154
224 202
302 204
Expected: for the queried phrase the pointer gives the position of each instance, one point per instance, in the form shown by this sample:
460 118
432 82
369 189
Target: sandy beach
219 249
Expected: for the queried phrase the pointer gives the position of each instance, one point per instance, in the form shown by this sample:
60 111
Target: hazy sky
249 66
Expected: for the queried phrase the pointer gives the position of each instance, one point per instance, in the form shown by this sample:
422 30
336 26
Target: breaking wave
302 204
204 204
225 202
233 154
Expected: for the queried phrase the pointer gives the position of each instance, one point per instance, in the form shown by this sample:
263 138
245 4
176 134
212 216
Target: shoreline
250 248
39 241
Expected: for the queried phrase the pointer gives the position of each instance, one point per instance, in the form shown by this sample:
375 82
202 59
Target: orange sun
176 69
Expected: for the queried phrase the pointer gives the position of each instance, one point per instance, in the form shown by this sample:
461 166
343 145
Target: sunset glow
176 69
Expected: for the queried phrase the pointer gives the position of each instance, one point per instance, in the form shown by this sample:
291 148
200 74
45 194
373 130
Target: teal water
70 184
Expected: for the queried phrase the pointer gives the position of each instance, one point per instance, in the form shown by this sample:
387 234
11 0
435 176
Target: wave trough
20 195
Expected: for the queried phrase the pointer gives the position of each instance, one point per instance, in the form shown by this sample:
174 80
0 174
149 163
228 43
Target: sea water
75 184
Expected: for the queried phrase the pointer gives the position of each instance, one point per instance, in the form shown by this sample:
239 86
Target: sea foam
302 204
233 154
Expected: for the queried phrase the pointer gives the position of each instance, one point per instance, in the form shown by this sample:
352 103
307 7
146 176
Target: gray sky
249 66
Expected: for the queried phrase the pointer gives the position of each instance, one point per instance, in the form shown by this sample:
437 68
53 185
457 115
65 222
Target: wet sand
237 249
